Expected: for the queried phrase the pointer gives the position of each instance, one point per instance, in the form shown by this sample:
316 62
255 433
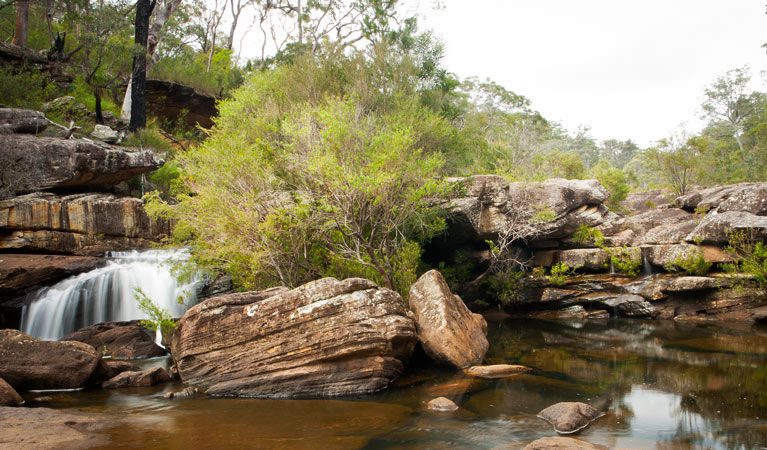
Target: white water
109 294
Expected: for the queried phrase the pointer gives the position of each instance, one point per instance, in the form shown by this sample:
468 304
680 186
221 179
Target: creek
663 385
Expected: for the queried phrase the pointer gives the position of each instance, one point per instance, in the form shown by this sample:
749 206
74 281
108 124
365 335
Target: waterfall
108 294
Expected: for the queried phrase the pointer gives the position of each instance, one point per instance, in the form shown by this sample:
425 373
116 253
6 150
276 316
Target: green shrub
506 286
24 88
585 233
624 260
560 273
692 262
159 318
751 256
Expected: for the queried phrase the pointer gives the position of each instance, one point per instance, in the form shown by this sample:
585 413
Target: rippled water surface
663 385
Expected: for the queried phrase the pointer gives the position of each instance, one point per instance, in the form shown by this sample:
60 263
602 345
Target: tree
138 79
22 23
676 160
729 99
618 153
614 180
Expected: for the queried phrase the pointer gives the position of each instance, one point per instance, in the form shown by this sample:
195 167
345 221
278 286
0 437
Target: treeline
330 152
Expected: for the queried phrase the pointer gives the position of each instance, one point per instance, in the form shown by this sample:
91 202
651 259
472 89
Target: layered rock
76 223
448 331
14 120
77 163
122 340
325 338
26 363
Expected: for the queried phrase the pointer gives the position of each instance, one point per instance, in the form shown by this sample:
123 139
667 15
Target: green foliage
624 260
505 286
585 234
751 256
159 318
543 215
305 176
692 262
614 180
676 160
560 273
149 138
191 68
24 88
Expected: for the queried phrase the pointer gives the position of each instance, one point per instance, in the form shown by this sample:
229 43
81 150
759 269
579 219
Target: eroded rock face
8 395
325 338
175 101
448 331
121 340
715 227
570 417
76 163
14 120
496 370
26 363
77 223
149 377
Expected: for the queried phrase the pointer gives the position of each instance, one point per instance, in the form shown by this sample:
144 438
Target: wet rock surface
441 404
325 338
562 443
149 377
449 333
570 417
496 370
120 340
27 363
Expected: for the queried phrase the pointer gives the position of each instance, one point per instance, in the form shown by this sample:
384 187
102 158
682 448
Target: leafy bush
624 260
505 286
159 318
585 234
614 180
560 273
751 254
24 88
692 262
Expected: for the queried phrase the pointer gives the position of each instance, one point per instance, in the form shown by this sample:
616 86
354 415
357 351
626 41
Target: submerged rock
9 396
325 338
189 392
26 363
442 404
570 417
43 428
496 370
448 331
149 377
122 340
562 443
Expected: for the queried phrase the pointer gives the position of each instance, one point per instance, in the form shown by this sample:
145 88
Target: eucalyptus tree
729 99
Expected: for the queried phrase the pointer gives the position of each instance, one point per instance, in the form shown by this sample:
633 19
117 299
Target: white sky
629 70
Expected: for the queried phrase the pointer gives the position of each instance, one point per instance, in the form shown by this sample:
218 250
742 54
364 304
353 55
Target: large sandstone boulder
746 197
448 331
553 208
77 163
644 201
562 443
27 363
77 223
570 417
14 120
121 340
591 259
175 101
325 338
23 273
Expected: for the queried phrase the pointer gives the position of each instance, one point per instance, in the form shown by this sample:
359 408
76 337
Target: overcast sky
629 70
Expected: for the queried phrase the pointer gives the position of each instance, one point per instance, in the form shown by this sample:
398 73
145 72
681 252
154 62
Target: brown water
663 385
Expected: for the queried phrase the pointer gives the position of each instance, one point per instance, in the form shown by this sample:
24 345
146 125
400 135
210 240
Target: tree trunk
99 115
153 40
22 23
138 88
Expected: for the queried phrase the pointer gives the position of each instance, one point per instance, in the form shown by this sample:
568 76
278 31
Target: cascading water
109 294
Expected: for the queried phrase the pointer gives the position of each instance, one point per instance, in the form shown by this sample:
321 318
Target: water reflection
664 385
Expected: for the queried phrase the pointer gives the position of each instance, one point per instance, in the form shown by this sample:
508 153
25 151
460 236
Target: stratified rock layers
325 338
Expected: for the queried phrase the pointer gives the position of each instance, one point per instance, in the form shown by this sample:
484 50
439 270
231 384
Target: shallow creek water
663 385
